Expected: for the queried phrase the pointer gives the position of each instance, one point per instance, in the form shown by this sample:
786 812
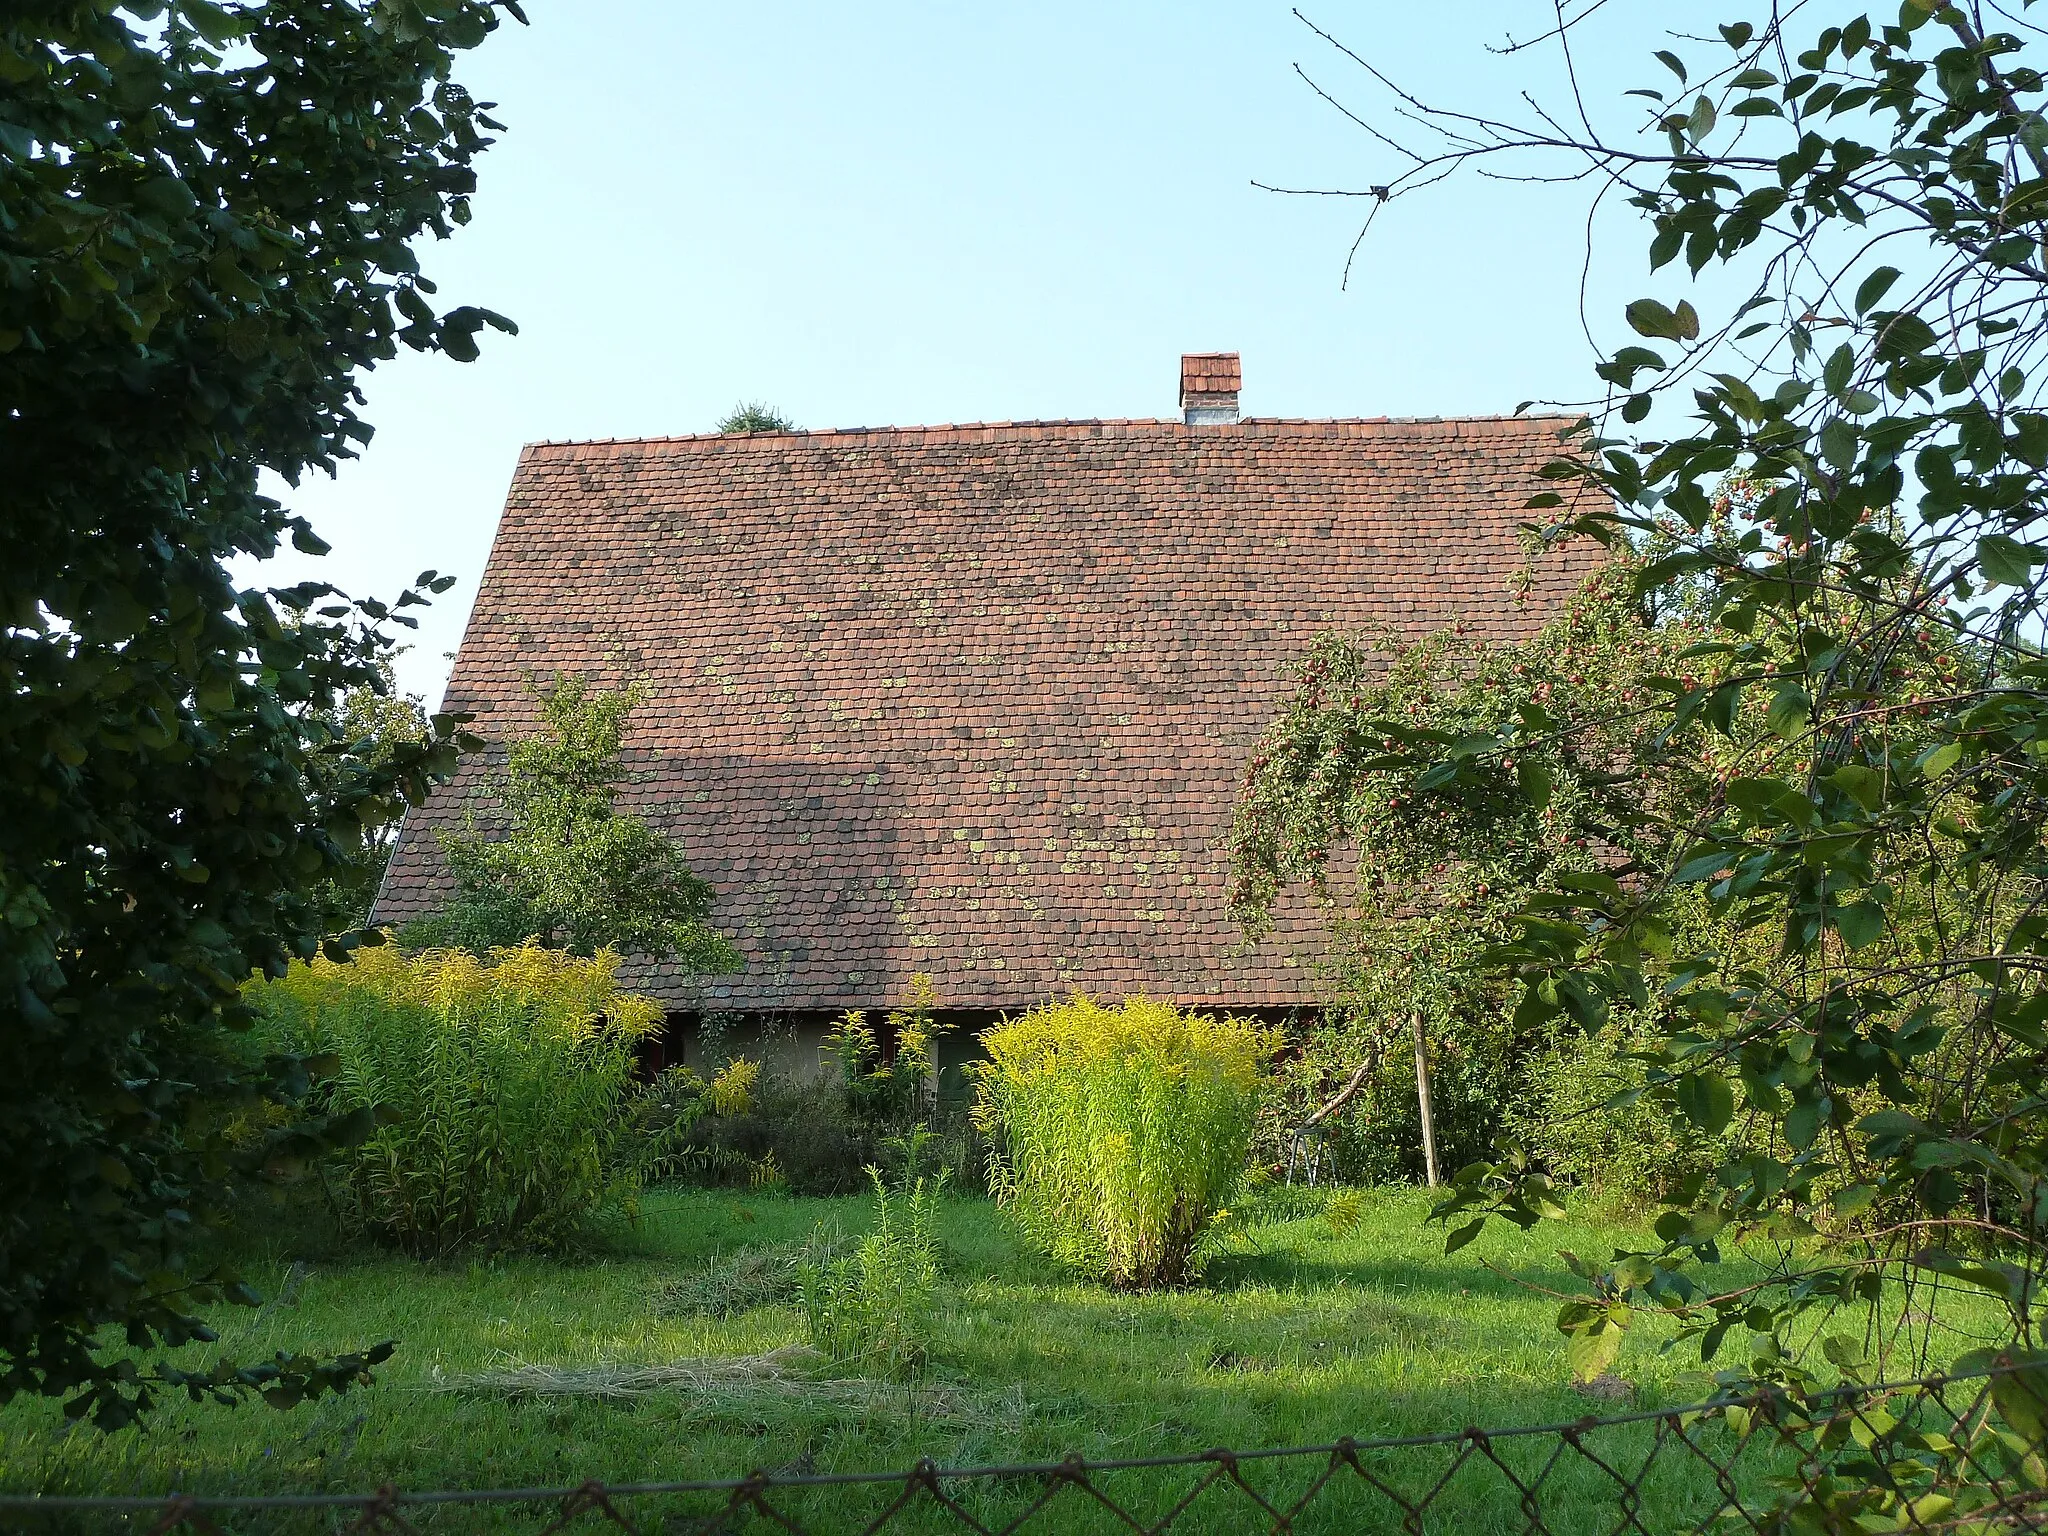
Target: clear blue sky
892 214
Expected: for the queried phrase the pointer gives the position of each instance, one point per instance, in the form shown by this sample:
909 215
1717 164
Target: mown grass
1298 1336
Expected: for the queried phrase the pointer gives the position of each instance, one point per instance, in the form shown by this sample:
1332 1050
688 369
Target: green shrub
1577 1116
1123 1129
1378 1138
800 1125
816 1133
875 1306
662 1114
504 1087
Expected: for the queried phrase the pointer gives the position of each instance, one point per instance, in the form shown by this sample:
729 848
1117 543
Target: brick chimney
1209 382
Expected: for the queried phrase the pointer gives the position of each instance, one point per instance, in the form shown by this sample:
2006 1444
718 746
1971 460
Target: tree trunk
1428 1115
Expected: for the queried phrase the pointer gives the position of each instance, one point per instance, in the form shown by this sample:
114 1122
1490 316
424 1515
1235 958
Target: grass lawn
1298 1337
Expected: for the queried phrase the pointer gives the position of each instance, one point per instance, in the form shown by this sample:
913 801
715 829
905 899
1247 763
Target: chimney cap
1209 385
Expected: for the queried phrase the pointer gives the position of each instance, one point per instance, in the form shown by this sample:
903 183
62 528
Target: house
975 700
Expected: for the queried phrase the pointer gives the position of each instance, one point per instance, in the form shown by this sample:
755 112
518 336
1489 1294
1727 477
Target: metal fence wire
1955 1455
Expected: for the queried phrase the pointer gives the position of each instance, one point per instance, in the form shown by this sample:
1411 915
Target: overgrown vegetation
562 865
1838 937
1582 1108
796 1124
502 1091
1122 1130
899 1087
208 237
876 1305
819 1132
1442 877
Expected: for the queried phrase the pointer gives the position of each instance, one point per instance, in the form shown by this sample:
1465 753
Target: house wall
792 1044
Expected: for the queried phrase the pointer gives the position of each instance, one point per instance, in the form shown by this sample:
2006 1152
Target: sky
899 214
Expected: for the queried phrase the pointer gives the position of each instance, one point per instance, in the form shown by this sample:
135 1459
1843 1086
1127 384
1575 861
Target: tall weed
899 1087
875 1307
504 1087
1123 1129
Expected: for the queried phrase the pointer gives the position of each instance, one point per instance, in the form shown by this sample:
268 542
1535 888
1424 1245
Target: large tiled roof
974 700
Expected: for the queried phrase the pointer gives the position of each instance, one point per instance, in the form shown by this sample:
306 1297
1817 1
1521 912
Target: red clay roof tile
974 699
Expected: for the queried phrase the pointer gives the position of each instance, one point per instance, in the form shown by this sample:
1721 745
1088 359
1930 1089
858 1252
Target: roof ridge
1071 423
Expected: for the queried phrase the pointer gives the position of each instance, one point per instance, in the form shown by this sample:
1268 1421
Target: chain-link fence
1955 1455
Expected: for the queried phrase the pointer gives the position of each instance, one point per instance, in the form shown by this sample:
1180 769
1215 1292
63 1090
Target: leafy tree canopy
567 866
206 223
1441 874
1870 987
379 724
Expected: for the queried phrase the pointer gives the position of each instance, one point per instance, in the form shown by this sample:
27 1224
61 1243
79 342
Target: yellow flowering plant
503 1087
1122 1129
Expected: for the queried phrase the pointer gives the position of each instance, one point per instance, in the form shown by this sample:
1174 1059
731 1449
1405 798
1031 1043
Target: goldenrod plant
899 1088
503 1086
732 1090
1122 1129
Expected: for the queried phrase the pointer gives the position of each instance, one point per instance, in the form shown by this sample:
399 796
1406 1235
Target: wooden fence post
1428 1115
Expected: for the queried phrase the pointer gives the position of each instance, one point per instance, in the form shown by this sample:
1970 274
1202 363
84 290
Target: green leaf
458 342
2007 562
1650 318
1707 1099
1536 781
1840 366
217 26
1874 287
1940 760
1594 1348
1859 925
1839 443
1790 712
2020 1390
1703 866
166 195
1802 1124
1863 785
1463 1235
